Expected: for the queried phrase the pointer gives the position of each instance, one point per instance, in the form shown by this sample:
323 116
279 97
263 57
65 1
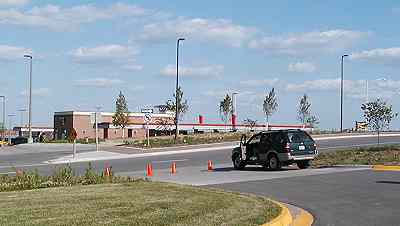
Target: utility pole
30 139
4 118
234 114
22 117
96 126
10 127
176 89
341 95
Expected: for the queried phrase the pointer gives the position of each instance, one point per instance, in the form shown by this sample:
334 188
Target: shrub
63 176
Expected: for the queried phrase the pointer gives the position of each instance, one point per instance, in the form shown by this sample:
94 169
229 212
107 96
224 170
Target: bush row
63 176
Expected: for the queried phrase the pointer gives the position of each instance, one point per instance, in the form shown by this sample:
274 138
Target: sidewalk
111 155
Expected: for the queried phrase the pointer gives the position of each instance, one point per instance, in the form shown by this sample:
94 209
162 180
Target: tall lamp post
3 127
341 95
10 126
96 117
22 117
234 115
30 139
176 88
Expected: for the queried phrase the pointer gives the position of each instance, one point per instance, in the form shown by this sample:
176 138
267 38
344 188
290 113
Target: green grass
78 141
136 203
389 154
168 141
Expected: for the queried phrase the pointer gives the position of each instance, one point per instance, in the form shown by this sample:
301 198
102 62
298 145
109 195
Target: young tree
378 114
226 109
121 116
270 104
183 105
304 112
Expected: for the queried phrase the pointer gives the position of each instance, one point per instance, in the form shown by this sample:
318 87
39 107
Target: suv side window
255 139
278 138
266 139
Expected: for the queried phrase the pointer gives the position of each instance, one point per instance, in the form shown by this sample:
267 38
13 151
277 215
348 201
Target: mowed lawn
138 203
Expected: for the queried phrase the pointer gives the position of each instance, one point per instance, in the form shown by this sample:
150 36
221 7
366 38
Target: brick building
83 123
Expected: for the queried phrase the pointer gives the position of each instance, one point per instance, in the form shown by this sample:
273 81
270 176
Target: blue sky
85 52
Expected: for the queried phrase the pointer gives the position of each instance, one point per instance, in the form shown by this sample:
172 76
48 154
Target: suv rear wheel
273 162
303 164
237 162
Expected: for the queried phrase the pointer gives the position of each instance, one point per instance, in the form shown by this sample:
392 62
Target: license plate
302 148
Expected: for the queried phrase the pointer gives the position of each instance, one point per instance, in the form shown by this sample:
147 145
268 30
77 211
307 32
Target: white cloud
111 52
13 2
302 67
13 52
261 82
388 55
303 43
208 71
41 92
314 85
352 88
57 18
219 30
98 82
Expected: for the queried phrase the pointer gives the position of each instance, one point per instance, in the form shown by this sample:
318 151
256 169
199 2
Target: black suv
274 149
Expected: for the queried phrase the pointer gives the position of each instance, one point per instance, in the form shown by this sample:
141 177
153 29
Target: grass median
384 154
136 203
169 141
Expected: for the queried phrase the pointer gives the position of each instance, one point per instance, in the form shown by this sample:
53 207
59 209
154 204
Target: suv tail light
287 148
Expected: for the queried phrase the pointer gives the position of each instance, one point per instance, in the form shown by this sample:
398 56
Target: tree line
378 114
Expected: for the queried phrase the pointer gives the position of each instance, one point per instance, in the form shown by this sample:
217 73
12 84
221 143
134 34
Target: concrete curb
304 218
284 218
385 168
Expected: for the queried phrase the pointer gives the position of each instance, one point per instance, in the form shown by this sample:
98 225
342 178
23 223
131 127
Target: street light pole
97 127
4 116
30 139
22 117
176 88
341 95
366 91
234 108
10 126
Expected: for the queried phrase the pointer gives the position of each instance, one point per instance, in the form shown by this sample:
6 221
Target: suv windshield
298 137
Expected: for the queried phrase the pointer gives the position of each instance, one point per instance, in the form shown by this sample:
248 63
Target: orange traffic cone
173 168
149 170
210 165
19 172
106 170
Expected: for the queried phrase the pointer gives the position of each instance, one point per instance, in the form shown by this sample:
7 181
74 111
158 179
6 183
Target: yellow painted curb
284 219
304 219
385 168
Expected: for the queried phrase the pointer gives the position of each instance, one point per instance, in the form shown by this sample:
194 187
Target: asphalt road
333 196
34 156
356 198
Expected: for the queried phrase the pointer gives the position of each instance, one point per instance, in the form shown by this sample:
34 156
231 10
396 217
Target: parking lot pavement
356 198
224 173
